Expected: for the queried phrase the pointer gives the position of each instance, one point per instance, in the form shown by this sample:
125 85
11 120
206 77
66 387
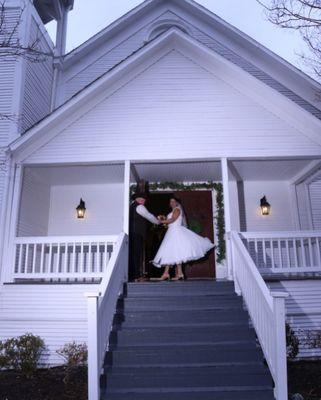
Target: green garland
219 217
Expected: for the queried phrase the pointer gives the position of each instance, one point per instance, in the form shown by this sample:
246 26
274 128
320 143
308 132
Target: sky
89 17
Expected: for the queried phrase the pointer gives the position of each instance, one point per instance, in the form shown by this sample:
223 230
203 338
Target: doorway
199 214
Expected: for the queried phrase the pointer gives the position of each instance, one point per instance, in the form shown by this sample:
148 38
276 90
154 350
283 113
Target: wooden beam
126 197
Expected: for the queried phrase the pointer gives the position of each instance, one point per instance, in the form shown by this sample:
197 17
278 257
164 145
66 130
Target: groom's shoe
179 278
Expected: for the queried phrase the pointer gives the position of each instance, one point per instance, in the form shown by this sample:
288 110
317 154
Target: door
199 214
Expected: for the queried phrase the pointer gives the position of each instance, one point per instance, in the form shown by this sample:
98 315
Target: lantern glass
265 206
81 209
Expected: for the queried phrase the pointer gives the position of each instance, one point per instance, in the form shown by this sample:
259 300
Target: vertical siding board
315 196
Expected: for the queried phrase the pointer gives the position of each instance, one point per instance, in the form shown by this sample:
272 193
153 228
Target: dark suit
138 227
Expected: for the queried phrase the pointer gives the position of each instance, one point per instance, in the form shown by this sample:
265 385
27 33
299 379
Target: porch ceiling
179 171
269 170
76 175
200 171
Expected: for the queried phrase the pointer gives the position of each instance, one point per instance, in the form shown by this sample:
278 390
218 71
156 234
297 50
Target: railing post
93 357
227 216
233 258
280 360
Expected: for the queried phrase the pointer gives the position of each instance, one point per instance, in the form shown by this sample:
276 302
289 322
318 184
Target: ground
305 378
48 384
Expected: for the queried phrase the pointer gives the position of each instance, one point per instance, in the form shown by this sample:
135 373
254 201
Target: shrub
21 353
292 343
74 354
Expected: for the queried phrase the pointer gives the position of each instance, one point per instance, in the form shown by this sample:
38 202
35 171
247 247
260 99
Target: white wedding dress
180 244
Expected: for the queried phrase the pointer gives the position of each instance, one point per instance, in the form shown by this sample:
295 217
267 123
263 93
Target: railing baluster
58 259
310 253
280 253
34 258
304 263
89 258
287 249
295 249
26 259
81 267
264 252
272 255
42 266
66 258
20 246
74 257
318 252
50 259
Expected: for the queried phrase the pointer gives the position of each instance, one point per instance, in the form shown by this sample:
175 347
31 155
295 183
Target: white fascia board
270 99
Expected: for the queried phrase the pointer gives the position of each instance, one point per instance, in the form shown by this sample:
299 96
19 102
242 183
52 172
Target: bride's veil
184 221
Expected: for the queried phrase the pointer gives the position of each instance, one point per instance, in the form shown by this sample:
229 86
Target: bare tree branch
303 16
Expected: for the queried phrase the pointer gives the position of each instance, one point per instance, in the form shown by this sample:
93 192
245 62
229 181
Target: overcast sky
90 16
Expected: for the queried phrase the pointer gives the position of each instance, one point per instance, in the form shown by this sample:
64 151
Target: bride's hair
178 201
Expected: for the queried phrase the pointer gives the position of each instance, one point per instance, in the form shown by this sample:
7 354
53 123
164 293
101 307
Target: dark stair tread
218 395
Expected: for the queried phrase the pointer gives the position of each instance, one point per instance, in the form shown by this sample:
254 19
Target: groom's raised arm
142 210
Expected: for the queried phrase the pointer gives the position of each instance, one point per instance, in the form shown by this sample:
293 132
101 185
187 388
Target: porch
46 240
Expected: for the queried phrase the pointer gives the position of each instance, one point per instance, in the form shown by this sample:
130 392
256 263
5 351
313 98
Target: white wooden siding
56 312
315 198
8 69
303 309
34 205
104 214
38 81
278 195
91 66
175 109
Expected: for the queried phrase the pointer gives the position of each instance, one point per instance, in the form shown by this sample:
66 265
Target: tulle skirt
181 245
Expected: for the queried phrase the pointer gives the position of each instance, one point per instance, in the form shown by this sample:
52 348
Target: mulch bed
52 384
45 384
305 378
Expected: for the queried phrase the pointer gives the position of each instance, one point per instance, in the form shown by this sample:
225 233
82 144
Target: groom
139 219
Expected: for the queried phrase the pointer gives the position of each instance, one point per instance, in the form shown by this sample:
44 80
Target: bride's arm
175 215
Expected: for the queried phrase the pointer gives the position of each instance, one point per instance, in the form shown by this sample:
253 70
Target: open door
199 213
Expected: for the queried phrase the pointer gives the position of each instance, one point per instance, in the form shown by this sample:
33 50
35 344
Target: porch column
227 216
126 196
12 213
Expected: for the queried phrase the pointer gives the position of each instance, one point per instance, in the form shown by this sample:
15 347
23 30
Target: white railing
62 257
101 309
284 252
267 312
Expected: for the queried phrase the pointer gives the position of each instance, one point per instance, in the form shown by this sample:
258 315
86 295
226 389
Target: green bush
74 354
21 353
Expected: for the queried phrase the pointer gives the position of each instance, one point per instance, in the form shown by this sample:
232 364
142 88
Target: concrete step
164 336
227 393
184 354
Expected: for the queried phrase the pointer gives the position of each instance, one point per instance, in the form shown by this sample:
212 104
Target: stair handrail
101 307
267 312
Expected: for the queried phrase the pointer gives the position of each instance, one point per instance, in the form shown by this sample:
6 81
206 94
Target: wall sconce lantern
81 209
265 206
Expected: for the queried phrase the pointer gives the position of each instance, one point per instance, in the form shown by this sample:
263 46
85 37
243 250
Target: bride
180 244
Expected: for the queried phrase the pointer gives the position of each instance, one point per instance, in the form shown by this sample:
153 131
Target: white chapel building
173 95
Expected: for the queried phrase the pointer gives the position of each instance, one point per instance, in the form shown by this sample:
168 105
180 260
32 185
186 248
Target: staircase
184 341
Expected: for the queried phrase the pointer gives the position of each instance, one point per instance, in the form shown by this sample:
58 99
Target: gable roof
45 130
227 40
